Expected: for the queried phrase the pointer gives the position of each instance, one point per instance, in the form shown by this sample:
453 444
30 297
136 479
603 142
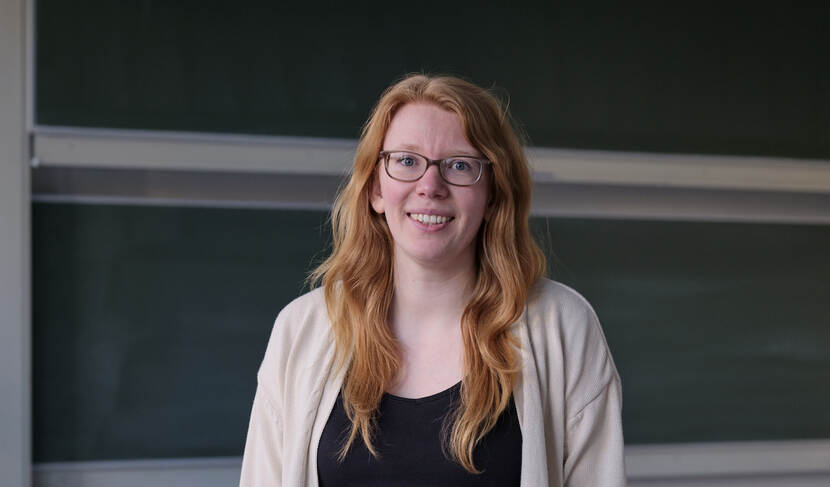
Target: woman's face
434 133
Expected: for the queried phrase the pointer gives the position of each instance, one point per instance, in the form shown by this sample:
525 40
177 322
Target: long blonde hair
358 283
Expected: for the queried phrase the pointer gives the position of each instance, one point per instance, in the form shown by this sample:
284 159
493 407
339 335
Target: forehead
428 129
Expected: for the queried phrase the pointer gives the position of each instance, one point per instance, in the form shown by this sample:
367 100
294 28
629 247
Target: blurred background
179 160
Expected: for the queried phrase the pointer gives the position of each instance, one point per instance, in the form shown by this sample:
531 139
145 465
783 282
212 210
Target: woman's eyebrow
462 152
413 148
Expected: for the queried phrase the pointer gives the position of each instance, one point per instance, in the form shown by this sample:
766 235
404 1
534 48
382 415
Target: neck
430 299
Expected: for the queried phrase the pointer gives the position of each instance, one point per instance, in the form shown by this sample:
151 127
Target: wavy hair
357 277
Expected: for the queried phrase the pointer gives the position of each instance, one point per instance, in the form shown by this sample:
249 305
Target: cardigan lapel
325 396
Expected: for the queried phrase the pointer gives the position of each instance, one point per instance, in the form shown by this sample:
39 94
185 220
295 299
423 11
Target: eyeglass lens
406 166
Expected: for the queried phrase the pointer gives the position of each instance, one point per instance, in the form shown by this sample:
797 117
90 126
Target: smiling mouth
430 219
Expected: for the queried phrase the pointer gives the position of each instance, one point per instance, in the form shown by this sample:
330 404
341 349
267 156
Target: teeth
430 219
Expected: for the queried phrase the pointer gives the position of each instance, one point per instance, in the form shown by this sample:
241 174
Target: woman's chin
437 259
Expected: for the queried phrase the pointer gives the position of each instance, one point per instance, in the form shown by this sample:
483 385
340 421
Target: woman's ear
375 195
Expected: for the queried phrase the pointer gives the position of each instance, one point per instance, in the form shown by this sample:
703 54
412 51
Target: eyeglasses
456 170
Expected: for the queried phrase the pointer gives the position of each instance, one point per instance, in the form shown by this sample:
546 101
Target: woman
434 353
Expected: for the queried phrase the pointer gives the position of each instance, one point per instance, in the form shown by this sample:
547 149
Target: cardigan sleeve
262 461
594 444
593 439
289 383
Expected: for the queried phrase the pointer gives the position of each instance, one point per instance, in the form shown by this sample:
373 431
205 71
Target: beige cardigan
568 398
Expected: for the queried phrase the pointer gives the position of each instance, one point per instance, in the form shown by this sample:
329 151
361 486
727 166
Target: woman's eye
459 165
406 161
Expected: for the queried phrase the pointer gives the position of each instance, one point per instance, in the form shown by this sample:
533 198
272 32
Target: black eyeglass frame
384 154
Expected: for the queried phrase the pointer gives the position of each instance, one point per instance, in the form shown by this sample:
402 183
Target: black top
408 440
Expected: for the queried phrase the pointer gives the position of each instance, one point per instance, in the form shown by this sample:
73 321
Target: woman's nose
431 184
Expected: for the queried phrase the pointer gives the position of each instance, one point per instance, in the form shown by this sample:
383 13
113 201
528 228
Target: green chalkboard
720 331
150 323
622 76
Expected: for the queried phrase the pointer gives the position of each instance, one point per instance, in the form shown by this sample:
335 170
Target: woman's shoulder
304 315
554 309
300 339
301 329
547 296
564 329
309 303
560 317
